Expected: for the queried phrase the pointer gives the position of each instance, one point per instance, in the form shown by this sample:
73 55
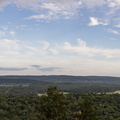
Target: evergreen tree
87 112
53 106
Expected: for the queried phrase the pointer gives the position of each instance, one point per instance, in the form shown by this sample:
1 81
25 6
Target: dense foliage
106 106
58 106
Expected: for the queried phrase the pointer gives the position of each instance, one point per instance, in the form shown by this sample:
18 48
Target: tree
86 110
53 106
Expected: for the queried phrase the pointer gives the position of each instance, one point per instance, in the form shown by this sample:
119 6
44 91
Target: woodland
56 105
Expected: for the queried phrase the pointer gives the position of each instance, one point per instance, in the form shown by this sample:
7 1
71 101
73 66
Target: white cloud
4 28
42 16
19 49
83 49
93 3
114 31
5 32
118 25
54 51
81 42
67 9
36 4
7 44
2 33
95 21
9 48
26 4
34 49
114 8
12 33
57 10
43 48
4 3
113 3
44 44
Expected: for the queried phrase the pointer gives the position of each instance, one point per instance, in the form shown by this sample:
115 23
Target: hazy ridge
58 79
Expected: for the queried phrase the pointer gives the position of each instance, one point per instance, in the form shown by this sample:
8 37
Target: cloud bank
19 49
83 49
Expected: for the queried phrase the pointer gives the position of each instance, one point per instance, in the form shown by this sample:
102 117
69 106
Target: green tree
87 112
53 106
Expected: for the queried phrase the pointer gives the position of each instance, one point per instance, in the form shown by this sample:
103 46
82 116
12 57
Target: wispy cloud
2 33
5 32
117 26
93 3
50 69
46 69
4 3
12 69
57 10
36 66
113 3
19 49
113 31
16 48
12 33
61 9
6 44
54 51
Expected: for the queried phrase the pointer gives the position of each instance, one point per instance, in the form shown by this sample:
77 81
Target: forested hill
38 84
59 79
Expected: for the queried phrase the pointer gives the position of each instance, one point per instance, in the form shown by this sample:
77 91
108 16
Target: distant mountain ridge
27 85
59 79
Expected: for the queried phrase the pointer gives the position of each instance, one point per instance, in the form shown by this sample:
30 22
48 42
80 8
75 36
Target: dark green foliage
87 110
57 106
108 106
100 106
53 106
17 107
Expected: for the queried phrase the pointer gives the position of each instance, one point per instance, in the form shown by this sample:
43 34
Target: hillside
38 84
58 79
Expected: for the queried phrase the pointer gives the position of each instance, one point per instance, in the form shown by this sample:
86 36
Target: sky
60 37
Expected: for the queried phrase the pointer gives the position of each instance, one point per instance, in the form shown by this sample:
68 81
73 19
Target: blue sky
59 37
